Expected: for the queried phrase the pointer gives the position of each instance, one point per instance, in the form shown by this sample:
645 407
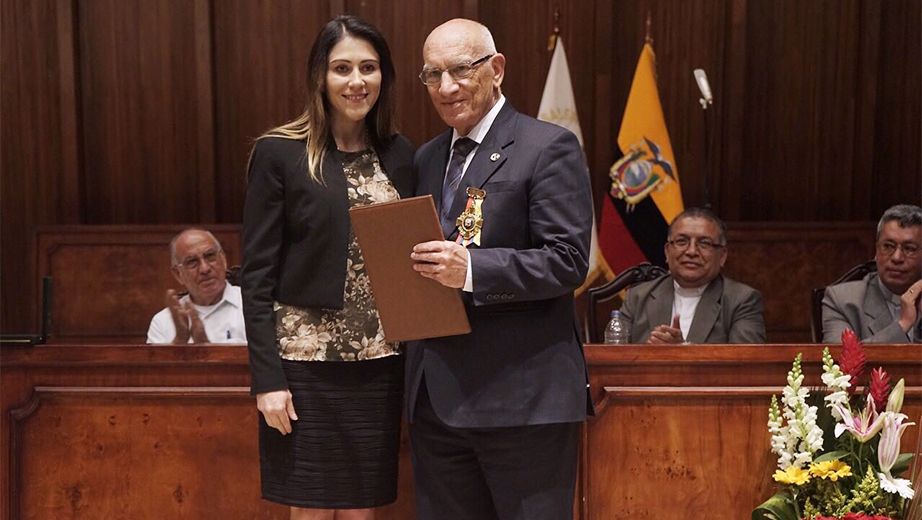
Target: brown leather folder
411 306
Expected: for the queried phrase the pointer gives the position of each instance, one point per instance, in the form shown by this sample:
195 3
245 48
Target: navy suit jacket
523 361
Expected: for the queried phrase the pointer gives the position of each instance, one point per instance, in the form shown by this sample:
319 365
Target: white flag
558 106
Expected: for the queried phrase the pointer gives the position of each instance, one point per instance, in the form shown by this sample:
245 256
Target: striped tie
459 153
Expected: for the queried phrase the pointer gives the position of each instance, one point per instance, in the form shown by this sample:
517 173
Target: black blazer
295 239
523 362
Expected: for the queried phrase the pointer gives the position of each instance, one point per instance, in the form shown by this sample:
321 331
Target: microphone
705 88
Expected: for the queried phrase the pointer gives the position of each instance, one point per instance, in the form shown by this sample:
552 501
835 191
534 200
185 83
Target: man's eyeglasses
910 250
703 244
191 263
458 71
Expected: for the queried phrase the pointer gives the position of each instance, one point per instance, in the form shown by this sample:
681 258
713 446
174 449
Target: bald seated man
884 306
495 414
212 312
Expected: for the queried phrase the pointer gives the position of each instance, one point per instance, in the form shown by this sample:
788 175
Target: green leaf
778 507
832 455
902 464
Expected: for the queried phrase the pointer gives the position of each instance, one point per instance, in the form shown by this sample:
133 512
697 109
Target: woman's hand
277 407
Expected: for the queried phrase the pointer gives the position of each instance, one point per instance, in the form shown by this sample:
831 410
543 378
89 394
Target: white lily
863 426
887 452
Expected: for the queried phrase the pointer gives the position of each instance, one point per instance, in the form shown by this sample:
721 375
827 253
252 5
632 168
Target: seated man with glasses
212 312
694 303
883 307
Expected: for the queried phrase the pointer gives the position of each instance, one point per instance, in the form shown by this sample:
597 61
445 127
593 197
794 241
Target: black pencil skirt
342 452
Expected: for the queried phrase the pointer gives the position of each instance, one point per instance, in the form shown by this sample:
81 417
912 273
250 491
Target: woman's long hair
313 125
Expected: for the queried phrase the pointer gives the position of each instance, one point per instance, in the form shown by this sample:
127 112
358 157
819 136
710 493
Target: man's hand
910 306
196 327
278 409
666 334
180 318
186 320
442 261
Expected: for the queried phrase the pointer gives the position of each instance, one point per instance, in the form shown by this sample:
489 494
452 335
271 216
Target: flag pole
555 34
707 163
648 39
706 100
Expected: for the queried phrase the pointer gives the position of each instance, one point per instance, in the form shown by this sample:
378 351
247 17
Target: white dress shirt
684 304
477 134
223 321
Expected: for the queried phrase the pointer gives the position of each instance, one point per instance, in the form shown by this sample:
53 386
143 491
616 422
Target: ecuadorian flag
645 195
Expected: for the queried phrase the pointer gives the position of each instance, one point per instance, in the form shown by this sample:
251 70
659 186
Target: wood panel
140 105
147 109
109 281
91 452
787 261
40 181
260 67
138 431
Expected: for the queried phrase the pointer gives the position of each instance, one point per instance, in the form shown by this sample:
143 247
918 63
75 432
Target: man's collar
230 295
690 292
889 297
480 130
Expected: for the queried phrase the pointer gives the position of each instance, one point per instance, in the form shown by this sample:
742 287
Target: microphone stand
707 145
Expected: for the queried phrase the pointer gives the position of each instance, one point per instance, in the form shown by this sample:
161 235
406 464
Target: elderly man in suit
883 307
494 415
694 303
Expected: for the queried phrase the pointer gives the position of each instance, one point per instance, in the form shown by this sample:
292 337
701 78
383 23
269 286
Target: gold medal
471 221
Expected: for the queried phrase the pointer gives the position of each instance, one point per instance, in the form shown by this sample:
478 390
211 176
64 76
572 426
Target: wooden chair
816 296
233 275
597 295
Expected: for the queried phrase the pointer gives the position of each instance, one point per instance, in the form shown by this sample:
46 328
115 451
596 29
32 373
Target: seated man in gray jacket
883 307
694 303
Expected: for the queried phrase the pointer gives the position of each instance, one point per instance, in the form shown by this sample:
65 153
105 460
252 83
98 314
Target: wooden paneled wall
143 111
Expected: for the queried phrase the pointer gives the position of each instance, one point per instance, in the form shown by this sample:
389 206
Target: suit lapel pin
494 157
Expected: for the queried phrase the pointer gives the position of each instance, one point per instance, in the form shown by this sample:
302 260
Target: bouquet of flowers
857 476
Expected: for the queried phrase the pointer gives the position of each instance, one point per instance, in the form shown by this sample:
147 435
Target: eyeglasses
910 249
703 244
191 263
458 71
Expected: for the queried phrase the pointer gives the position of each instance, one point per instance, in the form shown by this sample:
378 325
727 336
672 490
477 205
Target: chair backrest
233 275
816 296
597 295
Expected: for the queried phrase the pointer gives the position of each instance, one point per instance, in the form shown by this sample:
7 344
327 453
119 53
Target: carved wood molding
686 392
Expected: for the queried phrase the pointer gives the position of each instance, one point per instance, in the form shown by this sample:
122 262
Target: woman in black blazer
327 382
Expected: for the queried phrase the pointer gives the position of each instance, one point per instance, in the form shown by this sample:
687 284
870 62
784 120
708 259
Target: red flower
879 388
852 359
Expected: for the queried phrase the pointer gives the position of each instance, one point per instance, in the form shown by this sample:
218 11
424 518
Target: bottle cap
615 313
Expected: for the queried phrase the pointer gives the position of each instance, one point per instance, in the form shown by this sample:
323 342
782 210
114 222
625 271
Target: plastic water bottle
617 332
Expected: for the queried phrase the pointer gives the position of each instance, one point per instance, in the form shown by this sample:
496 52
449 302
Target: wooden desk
680 432
139 431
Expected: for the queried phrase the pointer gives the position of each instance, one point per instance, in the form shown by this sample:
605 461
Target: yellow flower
792 475
831 469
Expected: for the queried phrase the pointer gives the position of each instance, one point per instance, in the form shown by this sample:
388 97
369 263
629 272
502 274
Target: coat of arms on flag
639 172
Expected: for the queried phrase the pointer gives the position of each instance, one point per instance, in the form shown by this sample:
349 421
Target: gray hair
906 215
705 214
183 232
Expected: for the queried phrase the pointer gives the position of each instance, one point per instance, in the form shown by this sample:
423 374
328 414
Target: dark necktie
459 153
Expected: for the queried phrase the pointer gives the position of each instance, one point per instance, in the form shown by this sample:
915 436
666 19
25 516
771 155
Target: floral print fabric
354 332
